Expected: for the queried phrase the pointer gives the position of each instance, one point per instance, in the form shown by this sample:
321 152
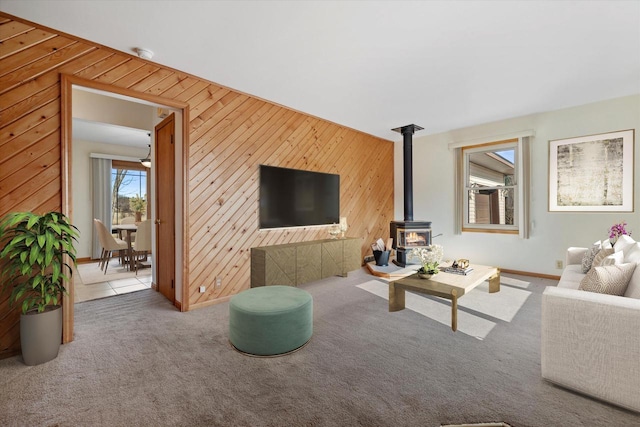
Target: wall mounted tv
297 198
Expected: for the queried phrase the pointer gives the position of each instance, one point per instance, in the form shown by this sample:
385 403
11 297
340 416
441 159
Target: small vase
425 276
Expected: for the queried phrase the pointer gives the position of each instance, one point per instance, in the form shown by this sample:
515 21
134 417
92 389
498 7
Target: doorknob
157 221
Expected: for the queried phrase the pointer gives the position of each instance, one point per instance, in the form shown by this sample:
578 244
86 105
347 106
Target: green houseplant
34 259
138 206
429 258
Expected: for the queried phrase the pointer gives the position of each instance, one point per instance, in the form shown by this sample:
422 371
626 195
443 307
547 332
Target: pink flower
618 230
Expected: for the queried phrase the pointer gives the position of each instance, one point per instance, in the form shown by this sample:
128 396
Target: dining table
129 229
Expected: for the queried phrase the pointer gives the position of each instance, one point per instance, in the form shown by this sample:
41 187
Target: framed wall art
592 173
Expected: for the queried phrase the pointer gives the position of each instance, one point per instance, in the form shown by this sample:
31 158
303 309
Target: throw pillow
610 279
633 289
632 253
588 257
613 259
623 243
597 260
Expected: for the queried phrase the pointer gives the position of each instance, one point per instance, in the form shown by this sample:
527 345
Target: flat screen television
297 198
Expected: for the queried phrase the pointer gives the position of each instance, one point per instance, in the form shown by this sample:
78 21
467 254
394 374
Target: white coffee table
444 285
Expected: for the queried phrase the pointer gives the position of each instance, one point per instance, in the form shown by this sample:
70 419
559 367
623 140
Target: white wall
551 232
108 109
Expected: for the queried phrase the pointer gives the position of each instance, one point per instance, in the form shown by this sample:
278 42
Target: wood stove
408 234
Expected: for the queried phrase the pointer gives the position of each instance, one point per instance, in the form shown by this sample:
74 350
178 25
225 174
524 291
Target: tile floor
109 288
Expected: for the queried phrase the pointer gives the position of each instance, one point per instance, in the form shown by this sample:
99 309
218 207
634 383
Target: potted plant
138 205
429 258
34 266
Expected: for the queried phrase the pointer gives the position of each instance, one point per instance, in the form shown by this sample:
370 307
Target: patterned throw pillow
587 259
610 279
597 260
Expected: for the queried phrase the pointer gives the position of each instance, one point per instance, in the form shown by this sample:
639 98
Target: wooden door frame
67 82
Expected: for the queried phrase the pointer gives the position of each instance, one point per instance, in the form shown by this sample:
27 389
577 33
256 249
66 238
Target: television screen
295 198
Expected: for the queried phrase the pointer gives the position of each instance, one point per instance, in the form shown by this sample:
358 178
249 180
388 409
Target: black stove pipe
407 149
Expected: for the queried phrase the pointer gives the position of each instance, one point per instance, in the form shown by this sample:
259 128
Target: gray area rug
136 361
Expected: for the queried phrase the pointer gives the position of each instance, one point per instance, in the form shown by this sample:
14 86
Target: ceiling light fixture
146 162
143 53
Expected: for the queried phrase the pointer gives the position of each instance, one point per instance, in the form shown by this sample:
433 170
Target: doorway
180 152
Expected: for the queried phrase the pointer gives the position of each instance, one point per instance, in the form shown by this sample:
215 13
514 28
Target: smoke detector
143 53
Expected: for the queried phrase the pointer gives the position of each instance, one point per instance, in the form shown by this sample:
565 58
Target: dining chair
128 220
109 244
142 245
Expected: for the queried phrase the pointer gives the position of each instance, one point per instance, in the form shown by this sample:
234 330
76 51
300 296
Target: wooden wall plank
27 192
183 83
187 94
107 64
34 192
119 72
42 152
152 80
42 65
23 41
136 76
12 29
20 109
33 119
39 51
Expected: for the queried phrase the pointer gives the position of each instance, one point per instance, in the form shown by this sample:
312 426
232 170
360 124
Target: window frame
466 152
128 165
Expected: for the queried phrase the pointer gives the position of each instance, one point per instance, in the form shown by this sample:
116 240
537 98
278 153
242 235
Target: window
491 187
129 186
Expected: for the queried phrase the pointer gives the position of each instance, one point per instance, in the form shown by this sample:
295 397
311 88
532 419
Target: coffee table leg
454 310
494 282
396 297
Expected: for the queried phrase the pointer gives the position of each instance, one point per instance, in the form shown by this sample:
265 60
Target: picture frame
592 173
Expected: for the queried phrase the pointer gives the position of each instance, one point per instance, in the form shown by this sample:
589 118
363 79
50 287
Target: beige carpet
90 273
137 361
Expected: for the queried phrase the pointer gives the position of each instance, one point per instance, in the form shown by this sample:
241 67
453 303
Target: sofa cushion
610 279
604 252
571 277
588 257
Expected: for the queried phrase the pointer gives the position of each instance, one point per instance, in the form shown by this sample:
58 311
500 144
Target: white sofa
591 341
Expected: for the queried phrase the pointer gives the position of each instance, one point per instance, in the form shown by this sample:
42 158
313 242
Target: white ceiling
87 130
377 65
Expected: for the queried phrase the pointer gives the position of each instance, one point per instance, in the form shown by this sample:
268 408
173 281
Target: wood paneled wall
230 133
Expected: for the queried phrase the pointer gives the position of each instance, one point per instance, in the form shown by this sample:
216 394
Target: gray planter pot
41 335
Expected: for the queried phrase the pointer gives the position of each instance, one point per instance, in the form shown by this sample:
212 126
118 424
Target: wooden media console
295 263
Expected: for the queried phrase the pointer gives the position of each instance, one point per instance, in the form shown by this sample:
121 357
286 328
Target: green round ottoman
270 320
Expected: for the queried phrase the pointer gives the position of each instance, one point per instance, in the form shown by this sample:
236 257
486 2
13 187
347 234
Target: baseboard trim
209 303
178 305
85 260
530 274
